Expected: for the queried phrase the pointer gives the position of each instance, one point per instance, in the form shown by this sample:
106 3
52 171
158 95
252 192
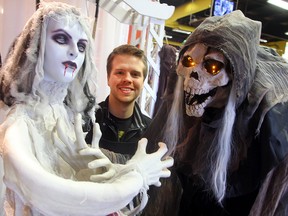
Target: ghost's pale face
64 51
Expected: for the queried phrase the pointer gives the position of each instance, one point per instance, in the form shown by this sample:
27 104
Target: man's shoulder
102 104
146 119
101 111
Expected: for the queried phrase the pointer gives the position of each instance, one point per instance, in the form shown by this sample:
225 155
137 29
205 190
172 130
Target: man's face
126 79
64 51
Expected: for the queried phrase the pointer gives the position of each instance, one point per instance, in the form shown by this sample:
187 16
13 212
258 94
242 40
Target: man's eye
187 61
136 74
60 38
213 66
81 47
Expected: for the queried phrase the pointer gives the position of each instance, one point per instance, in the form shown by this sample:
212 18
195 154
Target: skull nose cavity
194 75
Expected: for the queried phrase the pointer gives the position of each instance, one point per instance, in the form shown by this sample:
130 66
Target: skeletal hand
152 166
84 159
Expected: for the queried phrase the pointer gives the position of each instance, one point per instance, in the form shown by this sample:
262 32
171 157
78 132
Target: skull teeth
195 99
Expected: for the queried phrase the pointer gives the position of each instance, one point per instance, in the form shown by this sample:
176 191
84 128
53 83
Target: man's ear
108 79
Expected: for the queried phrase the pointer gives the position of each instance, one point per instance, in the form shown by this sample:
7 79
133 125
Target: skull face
203 70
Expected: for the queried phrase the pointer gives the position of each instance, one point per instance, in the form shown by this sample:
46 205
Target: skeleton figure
46 87
203 70
227 124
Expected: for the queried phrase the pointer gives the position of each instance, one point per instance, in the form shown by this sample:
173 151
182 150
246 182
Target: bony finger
103 162
101 177
142 144
162 148
168 162
60 130
57 142
79 132
91 151
165 173
158 184
96 135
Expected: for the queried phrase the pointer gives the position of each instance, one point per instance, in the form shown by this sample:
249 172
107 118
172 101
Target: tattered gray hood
212 150
238 38
260 74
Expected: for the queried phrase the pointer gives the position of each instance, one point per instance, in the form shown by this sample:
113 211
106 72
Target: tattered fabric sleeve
53 195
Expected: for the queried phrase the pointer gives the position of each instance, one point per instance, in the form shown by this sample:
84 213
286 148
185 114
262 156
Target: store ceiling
189 14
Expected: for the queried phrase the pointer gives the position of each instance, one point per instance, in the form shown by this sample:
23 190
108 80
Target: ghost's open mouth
195 99
70 64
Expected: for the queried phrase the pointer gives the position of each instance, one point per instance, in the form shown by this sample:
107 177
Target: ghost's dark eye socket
187 61
213 66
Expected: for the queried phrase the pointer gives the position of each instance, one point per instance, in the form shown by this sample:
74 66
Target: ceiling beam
186 10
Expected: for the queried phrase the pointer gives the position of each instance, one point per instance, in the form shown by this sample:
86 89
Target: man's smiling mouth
126 90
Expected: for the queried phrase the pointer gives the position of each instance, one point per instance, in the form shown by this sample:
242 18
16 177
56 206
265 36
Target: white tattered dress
37 179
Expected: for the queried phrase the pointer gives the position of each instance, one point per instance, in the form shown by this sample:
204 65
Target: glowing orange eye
187 61
213 66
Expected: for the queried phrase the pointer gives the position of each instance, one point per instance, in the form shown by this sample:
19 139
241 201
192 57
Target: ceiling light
286 33
280 3
168 36
181 31
263 40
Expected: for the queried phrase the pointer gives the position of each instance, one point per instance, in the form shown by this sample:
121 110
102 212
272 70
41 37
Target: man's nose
127 77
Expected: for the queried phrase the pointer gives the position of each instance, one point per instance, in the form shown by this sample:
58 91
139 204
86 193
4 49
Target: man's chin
127 99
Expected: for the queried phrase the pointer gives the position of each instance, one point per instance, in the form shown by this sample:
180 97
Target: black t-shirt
123 125
119 135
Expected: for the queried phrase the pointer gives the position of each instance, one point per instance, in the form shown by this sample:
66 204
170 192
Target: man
119 116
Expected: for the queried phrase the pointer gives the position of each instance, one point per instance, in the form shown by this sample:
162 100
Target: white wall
109 34
13 16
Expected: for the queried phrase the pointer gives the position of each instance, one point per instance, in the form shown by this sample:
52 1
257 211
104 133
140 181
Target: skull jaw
192 111
198 109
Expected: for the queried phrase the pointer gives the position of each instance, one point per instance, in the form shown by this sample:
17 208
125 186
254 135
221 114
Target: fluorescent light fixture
263 40
181 31
280 3
286 33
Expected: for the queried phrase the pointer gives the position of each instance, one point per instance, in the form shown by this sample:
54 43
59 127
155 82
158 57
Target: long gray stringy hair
260 80
219 154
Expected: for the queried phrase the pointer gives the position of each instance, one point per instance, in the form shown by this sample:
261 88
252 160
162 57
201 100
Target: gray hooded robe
260 130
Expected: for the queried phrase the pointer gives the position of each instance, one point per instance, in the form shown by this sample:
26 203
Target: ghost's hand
69 148
102 168
152 166
87 160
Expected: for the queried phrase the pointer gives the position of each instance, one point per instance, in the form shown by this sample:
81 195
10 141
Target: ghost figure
226 122
46 93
